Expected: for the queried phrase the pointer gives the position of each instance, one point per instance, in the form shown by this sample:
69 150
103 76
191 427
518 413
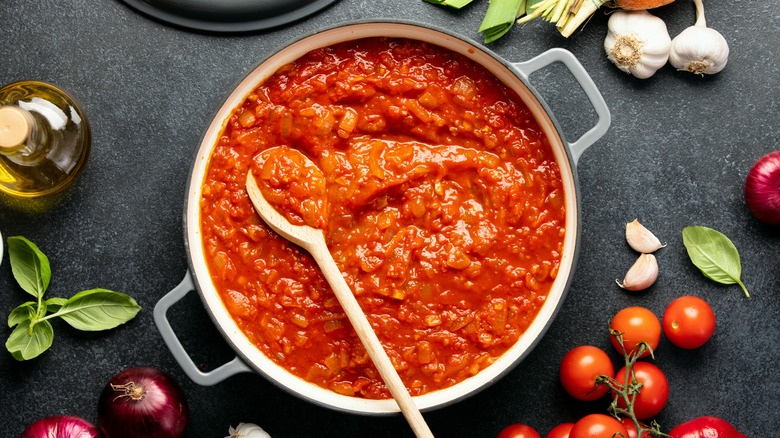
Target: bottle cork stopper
14 126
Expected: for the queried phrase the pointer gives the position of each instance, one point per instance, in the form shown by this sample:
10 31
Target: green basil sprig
714 254
90 310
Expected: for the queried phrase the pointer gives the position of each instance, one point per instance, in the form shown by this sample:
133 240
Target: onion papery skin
61 426
638 5
762 189
162 411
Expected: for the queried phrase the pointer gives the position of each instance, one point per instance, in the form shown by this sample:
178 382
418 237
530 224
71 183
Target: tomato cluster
640 389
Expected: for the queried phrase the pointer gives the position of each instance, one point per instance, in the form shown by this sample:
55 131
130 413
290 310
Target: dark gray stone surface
676 155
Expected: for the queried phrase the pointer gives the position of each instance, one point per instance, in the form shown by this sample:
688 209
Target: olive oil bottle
44 139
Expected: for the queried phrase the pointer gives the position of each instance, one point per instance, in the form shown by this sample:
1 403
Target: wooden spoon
313 240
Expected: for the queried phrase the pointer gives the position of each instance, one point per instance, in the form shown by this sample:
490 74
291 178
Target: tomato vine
627 391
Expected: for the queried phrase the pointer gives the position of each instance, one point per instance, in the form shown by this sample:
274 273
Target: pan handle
588 86
213 377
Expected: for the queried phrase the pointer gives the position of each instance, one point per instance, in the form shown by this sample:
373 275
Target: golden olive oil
44 139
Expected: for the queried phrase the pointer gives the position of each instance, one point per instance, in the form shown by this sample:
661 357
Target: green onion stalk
568 15
501 15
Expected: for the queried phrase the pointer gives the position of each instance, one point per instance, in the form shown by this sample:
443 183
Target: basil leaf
26 344
29 265
714 254
55 304
22 313
98 309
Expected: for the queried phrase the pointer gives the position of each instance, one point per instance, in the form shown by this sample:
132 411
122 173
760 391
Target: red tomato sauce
445 214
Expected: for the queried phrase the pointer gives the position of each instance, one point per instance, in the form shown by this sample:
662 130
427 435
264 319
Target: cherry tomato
579 369
653 394
629 425
561 431
518 431
689 322
637 324
597 426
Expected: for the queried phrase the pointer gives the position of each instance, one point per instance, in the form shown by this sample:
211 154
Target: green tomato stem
629 389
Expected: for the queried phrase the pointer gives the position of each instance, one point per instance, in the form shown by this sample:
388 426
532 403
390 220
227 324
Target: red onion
142 402
762 189
61 426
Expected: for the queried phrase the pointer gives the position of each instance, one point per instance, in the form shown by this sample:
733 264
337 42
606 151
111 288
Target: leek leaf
457 4
499 18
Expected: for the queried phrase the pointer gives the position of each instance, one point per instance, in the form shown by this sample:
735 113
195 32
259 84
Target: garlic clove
642 274
247 430
641 239
699 50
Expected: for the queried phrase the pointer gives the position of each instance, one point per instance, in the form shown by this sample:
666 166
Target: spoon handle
361 325
313 241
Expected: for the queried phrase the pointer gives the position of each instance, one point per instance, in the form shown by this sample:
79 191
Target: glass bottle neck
15 127
22 135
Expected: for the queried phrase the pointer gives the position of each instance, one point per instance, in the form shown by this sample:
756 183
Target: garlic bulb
642 274
247 430
699 49
637 42
640 239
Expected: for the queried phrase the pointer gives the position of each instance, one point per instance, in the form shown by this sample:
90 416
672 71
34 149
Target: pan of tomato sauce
449 203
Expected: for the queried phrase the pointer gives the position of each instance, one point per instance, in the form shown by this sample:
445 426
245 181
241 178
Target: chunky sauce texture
445 213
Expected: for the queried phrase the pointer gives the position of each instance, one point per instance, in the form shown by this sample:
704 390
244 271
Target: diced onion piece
348 123
398 294
458 260
432 320
460 322
332 325
246 119
299 320
424 352
332 362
